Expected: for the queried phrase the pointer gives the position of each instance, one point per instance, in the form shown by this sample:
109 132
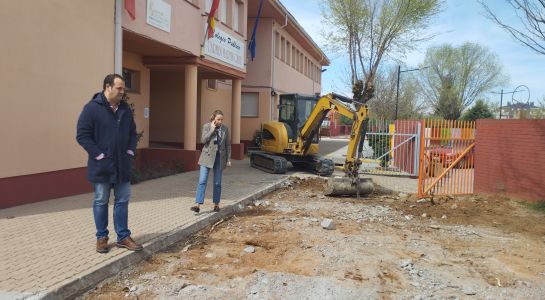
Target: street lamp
512 95
399 71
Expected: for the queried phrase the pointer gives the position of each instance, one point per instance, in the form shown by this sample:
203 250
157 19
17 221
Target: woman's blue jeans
203 179
122 193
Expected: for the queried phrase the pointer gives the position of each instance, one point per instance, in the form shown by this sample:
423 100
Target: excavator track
324 166
318 165
269 163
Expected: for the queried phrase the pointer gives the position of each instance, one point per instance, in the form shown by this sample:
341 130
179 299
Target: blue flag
251 44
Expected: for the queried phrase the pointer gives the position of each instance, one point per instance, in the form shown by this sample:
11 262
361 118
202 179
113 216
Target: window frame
243 114
132 83
213 86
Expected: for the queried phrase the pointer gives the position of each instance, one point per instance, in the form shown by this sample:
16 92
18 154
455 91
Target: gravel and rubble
384 246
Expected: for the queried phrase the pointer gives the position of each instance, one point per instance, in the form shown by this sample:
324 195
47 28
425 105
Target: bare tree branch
530 31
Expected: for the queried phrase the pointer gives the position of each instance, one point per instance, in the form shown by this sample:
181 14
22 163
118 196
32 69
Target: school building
57 52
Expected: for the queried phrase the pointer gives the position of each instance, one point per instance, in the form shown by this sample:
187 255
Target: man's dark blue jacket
100 130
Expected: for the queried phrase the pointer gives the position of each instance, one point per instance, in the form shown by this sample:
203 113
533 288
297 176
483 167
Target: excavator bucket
346 186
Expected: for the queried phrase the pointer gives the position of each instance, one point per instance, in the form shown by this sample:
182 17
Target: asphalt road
328 146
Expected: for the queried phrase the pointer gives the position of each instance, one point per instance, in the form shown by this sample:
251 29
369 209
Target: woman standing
216 154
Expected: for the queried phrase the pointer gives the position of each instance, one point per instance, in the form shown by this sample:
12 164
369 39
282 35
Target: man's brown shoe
102 245
130 244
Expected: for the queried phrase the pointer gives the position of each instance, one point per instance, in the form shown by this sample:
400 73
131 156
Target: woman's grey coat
208 154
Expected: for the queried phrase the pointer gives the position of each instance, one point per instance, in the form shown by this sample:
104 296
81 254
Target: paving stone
54 241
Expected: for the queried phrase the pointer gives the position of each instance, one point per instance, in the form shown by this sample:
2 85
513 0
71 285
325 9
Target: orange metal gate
446 158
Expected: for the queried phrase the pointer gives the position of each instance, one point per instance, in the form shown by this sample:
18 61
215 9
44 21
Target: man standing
106 130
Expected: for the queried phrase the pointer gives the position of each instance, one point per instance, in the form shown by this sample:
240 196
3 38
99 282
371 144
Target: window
249 105
287 110
237 13
223 11
293 56
288 53
132 80
277 45
297 59
211 84
283 49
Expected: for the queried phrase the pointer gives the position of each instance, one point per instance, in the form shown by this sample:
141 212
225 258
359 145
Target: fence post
421 159
416 156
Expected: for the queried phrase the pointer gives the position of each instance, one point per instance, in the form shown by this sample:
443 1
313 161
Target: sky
460 21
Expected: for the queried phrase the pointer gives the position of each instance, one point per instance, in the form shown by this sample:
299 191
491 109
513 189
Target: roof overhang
276 10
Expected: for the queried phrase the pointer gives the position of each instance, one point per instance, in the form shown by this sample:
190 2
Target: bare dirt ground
391 246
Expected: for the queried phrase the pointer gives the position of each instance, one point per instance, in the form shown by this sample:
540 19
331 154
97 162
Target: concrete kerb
85 282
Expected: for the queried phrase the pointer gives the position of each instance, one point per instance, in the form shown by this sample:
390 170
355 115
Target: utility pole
512 96
399 71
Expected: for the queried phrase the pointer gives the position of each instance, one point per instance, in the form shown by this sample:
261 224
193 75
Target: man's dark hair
109 80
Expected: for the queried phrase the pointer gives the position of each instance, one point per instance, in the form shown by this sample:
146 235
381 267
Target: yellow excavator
295 137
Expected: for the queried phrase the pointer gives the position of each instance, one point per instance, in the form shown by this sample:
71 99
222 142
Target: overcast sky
460 21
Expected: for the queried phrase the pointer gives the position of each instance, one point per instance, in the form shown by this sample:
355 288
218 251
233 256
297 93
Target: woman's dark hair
109 80
215 113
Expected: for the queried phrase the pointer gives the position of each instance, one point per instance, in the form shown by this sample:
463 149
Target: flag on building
131 8
211 20
251 44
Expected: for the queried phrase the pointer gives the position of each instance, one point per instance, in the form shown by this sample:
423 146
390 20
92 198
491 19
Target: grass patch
540 206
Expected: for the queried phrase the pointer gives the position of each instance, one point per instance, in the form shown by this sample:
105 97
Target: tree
383 105
369 30
530 30
480 110
455 77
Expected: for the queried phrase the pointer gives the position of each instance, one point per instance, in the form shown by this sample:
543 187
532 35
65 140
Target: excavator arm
342 105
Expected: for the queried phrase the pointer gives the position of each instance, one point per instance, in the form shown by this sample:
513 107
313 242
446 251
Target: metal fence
440 153
392 148
447 157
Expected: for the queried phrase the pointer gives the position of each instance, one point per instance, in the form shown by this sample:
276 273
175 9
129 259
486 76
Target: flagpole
211 16
204 41
205 37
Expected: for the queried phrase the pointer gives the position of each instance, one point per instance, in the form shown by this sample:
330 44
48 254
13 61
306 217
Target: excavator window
287 110
294 111
304 108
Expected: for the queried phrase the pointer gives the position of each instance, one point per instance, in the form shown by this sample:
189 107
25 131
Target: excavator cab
294 110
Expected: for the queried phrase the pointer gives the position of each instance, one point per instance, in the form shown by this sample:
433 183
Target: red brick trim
32 188
237 151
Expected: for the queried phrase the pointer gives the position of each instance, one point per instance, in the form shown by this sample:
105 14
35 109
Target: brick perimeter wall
510 158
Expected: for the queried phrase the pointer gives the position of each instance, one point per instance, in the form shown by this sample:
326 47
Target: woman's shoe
216 208
195 208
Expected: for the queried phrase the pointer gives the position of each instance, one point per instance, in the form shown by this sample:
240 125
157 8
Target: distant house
521 111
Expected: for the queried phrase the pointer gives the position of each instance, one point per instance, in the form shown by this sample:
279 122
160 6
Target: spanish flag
131 8
211 20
